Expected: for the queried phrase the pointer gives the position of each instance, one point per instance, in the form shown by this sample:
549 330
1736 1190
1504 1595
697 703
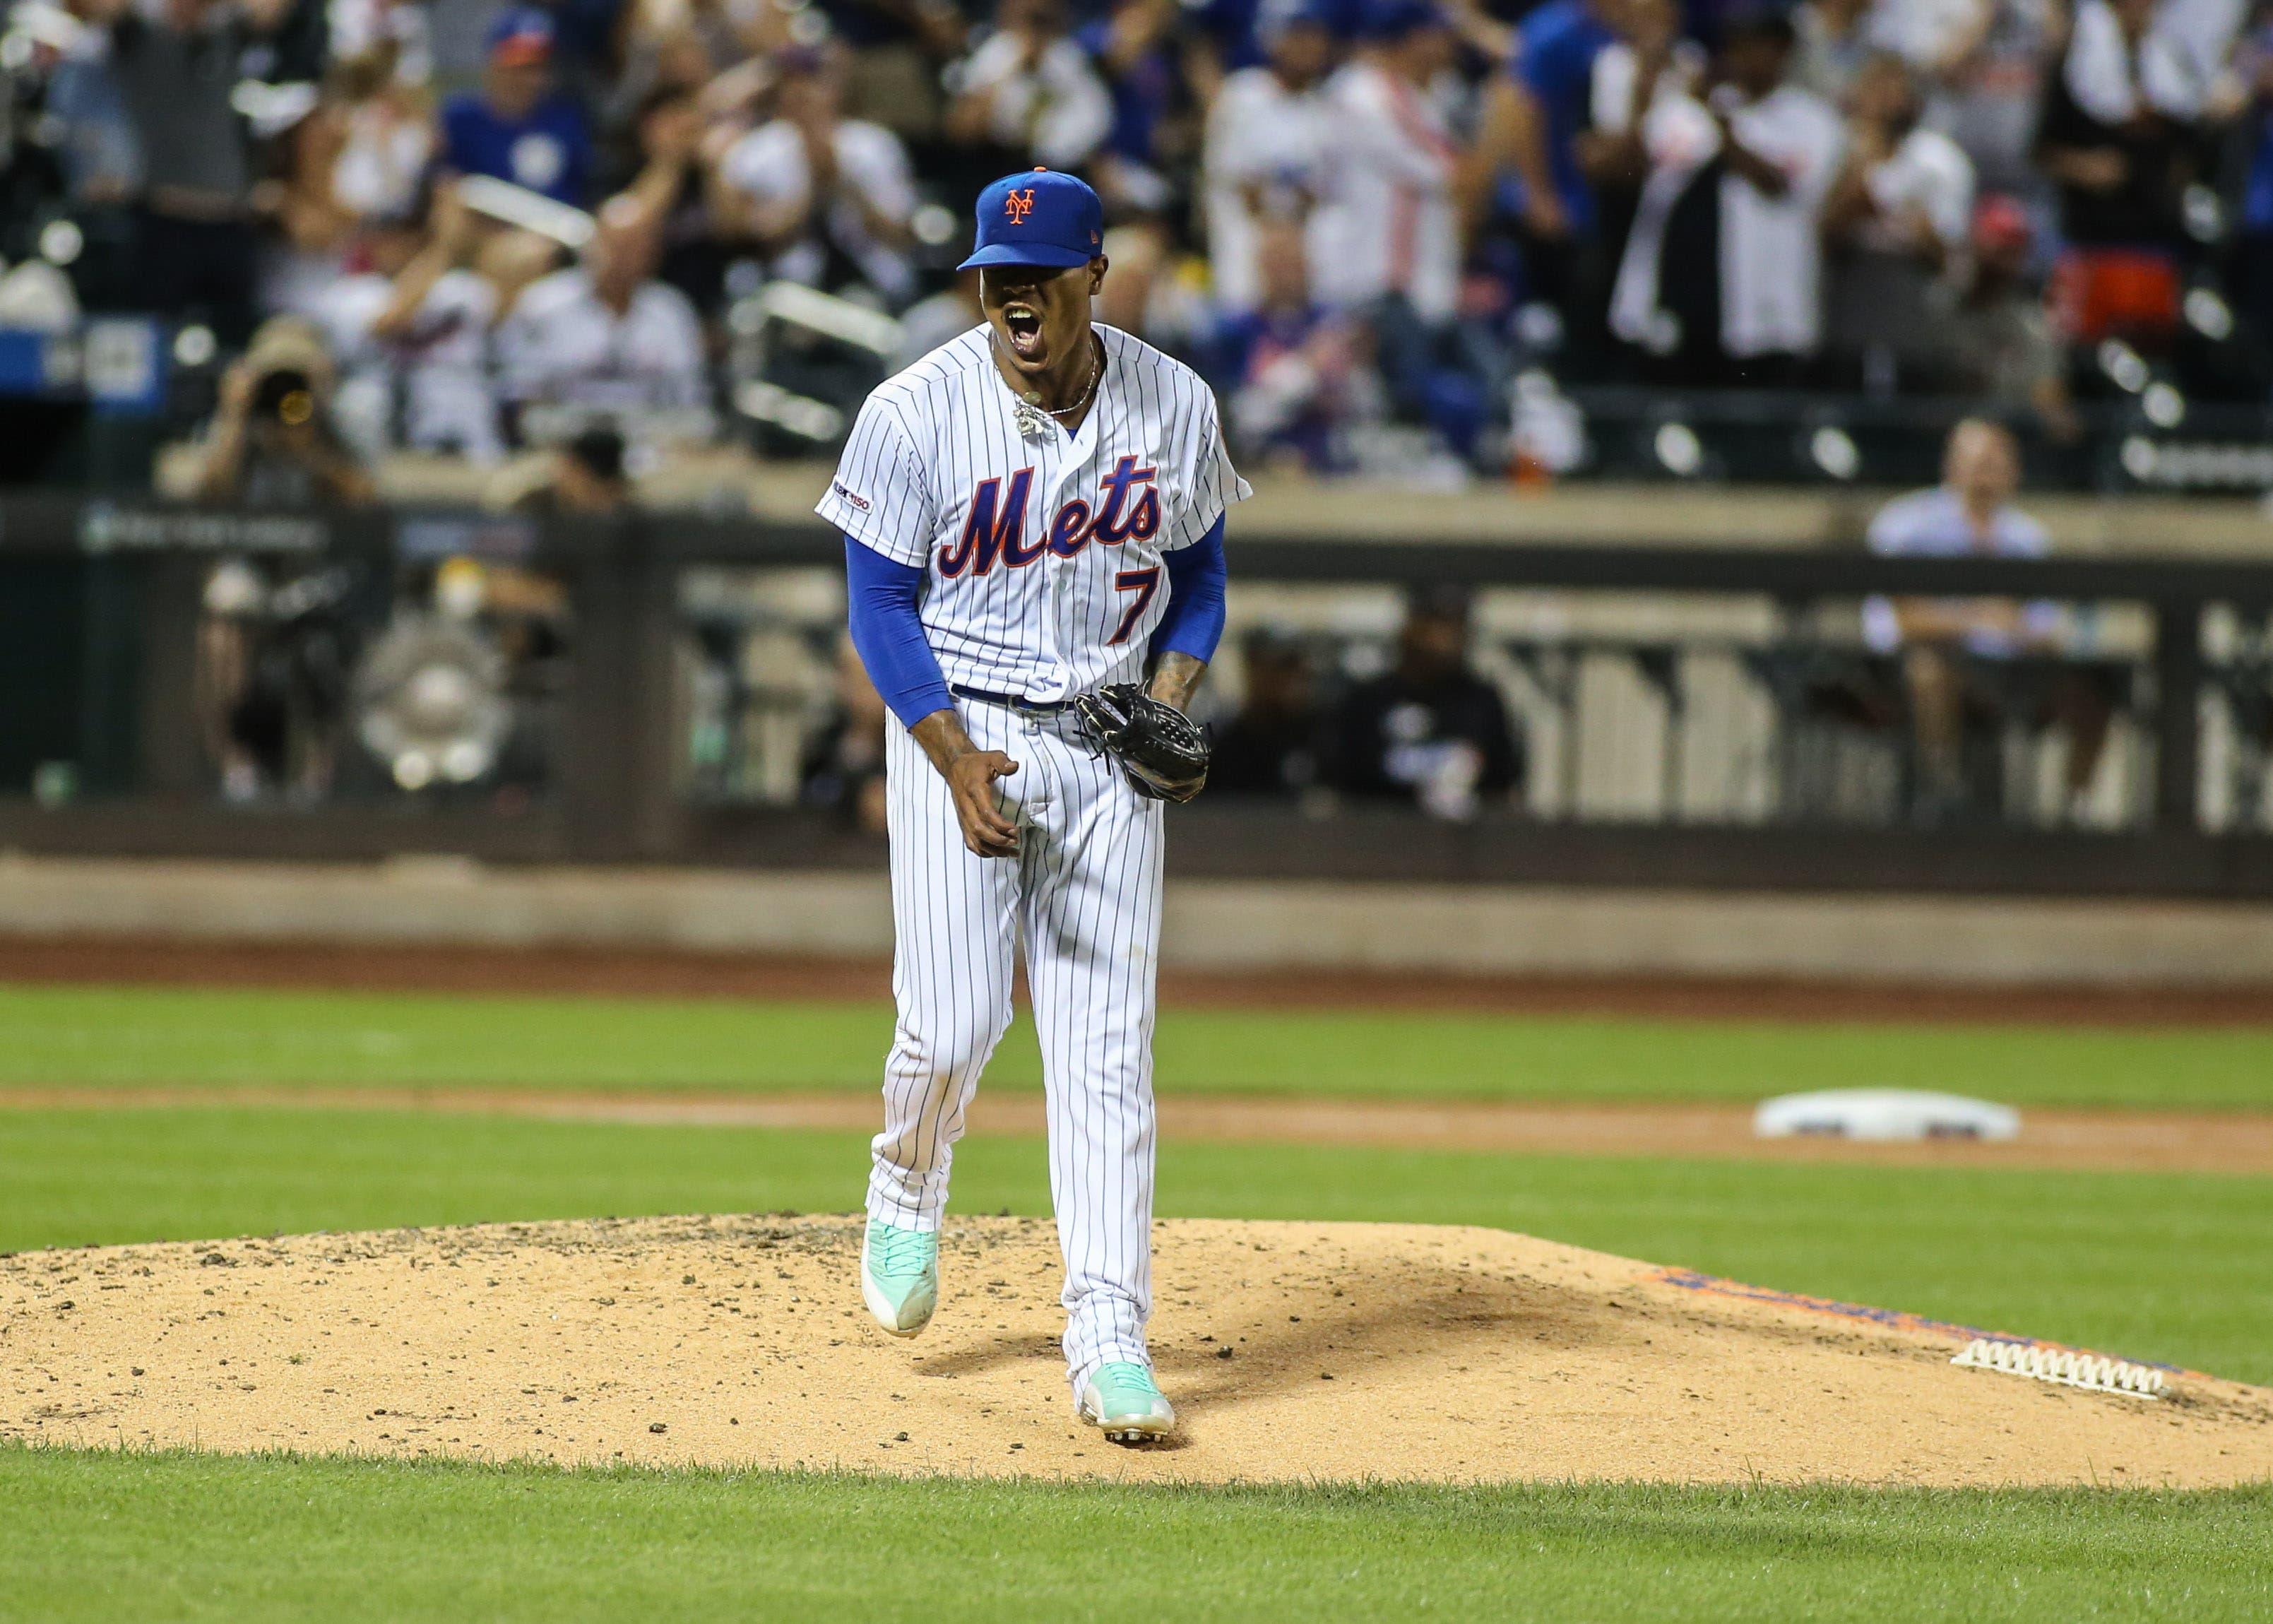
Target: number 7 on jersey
1143 583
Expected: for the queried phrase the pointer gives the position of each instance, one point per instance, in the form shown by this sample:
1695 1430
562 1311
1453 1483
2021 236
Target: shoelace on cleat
899 1251
1126 1375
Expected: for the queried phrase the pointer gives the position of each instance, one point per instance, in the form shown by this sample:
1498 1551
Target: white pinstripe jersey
1041 552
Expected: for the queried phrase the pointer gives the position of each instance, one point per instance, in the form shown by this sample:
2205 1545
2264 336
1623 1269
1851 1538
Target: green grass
62 1037
173 1535
2152 1266
2165 1267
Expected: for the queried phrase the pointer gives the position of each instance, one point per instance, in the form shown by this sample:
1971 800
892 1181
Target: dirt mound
1302 1352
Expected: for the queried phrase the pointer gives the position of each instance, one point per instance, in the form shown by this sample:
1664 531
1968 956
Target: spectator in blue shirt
1524 169
1555 75
517 128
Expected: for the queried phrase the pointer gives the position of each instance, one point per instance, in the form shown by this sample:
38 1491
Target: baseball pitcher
1033 518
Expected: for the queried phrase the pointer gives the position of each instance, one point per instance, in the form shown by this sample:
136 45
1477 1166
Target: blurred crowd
1388 230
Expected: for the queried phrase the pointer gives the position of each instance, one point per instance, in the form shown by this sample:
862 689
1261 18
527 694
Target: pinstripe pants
1083 896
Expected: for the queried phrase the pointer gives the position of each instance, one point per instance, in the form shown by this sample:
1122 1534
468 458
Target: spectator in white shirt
411 338
1029 91
606 340
1268 136
814 187
1721 280
1394 230
1897 219
1943 643
1932 36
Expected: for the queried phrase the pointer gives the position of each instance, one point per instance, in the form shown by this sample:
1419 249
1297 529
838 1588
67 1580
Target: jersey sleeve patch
879 496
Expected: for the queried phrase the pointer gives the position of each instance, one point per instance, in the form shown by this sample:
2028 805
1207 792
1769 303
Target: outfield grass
135 1036
2151 1266
173 1535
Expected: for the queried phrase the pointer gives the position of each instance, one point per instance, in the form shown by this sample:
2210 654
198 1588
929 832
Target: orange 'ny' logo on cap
1018 204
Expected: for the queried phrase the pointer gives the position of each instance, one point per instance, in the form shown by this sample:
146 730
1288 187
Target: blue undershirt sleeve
1193 624
880 597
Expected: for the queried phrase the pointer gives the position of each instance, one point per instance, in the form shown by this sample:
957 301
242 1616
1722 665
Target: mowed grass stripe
188 1537
2149 1266
103 1036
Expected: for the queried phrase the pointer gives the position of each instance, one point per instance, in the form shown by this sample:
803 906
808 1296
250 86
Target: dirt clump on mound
1300 1352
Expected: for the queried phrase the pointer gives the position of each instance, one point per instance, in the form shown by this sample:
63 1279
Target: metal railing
654 735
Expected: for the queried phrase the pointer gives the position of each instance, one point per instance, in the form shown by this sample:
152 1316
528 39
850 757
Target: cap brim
1034 253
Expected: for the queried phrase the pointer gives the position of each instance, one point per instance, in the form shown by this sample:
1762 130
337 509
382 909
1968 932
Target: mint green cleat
899 1276
1124 1400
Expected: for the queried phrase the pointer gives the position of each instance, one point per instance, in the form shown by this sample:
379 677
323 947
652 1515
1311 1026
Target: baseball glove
1162 752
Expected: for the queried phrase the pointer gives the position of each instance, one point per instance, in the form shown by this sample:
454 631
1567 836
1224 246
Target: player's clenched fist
970 773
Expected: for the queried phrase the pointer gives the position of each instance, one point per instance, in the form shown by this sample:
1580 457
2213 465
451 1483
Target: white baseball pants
1083 896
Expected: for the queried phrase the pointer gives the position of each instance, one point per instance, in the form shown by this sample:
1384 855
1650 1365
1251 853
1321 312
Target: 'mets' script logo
1128 510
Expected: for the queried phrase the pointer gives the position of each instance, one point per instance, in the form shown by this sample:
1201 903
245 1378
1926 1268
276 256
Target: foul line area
2122 1141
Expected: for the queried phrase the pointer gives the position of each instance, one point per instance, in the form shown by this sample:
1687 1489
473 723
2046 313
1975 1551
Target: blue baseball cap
520 34
1037 218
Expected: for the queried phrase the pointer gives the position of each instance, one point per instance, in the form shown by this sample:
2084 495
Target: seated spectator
826 199
1268 135
1999 343
1430 732
1943 641
271 442
604 337
1295 376
517 128
1897 219
1027 93
1721 280
411 335
1271 746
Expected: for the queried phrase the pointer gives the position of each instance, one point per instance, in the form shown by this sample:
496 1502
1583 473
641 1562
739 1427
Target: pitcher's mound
1292 1350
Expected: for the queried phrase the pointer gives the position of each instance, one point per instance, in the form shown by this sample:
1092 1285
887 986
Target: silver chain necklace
1033 417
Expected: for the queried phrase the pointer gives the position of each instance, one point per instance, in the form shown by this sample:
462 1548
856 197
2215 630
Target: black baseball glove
1162 752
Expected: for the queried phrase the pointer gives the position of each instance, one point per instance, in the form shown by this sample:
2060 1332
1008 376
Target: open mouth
1022 324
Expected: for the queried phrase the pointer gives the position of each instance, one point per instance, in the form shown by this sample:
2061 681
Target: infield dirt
1294 1351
